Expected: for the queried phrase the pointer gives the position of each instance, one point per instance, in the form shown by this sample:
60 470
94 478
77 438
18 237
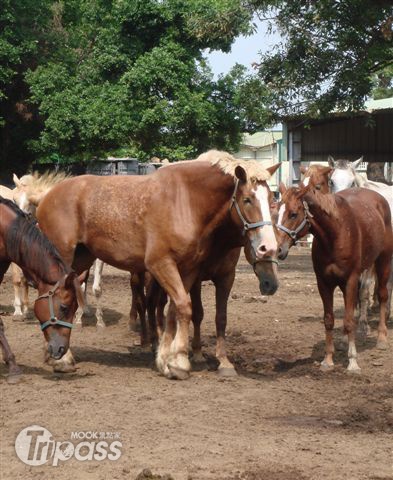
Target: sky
245 50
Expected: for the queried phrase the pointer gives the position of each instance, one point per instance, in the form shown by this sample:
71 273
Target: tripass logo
35 446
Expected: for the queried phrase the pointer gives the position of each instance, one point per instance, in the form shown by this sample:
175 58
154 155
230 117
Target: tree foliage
128 76
329 55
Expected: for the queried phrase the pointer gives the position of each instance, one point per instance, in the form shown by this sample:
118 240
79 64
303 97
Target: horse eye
318 187
247 200
293 215
64 308
330 183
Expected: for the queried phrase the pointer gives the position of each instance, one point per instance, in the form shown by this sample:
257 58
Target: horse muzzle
57 346
266 271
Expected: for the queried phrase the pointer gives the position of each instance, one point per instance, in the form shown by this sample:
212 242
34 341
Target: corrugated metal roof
261 139
382 104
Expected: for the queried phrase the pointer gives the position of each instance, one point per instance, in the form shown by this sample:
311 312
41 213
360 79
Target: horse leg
160 315
133 320
156 300
14 372
25 296
17 276
375 305
223 288
350 292
66 364
384 276
364 293
137 283
97 292
197 317
172 357
326 292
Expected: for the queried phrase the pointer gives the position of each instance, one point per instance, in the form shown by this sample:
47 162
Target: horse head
55 309
292 223
250 209
317 176
344 174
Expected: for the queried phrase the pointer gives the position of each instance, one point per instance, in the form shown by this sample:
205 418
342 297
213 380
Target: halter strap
246 225
53 320
294 233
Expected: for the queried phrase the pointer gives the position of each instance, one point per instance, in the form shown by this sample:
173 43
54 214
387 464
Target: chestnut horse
164 223
58 288
339 176
352 232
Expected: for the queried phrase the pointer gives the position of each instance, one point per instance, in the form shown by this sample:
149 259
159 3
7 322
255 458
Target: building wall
341 137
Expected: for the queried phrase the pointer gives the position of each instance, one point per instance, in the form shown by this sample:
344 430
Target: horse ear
273 168
331 161
282 188
326 170
241 174
355 164
303 169
16 180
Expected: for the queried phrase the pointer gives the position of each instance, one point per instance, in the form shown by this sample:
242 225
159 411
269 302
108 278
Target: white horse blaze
342 179
306 181
281 212
268 237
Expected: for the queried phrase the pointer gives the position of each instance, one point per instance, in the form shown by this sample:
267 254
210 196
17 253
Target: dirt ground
280 419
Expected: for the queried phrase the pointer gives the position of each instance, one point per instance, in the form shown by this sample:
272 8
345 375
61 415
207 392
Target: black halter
305 222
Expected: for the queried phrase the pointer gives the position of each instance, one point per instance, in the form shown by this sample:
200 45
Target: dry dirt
280 419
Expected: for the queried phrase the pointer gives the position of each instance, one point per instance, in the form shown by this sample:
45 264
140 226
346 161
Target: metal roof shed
368 132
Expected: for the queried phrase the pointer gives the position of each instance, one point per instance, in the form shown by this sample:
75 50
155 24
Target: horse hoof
14 378
65 368
355 371
363 332
326 367
382 345
133 327
176 373
227 372
199 366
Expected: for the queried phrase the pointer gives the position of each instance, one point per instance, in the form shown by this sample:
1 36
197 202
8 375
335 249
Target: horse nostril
279 250
61 350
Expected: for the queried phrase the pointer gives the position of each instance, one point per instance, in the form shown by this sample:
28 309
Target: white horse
345 176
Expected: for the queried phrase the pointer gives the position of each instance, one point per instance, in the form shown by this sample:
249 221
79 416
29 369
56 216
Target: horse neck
324 224
27 247
217 191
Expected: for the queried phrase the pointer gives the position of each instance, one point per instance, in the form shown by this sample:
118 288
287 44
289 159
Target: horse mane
37 186
28 247
45 181
228 163
326 202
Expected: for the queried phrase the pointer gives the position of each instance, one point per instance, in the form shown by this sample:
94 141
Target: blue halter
53 320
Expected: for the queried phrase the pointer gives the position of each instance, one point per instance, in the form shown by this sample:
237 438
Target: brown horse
58 287
164 223
352 232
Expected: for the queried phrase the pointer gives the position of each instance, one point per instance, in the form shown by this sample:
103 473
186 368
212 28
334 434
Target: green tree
24 41
329 53
130 77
